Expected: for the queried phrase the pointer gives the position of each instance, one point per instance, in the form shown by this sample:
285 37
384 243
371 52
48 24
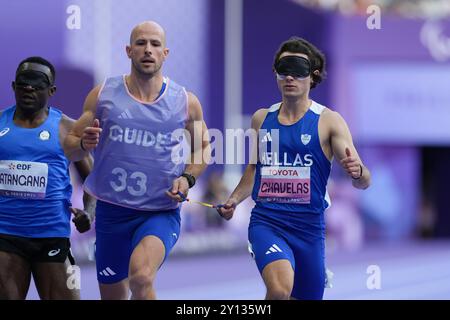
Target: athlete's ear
13 85
51 91
316 73
166 52
128 51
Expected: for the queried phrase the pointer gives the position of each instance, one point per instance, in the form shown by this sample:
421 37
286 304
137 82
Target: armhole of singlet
99 94
262 122
322 108
61 119
101 89
273 108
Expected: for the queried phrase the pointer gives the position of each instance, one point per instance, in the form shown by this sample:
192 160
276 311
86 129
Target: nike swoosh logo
53 253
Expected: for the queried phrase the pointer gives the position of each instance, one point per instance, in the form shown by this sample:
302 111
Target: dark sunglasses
34 87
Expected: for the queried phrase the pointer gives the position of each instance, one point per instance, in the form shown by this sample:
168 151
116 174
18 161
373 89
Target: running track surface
410 270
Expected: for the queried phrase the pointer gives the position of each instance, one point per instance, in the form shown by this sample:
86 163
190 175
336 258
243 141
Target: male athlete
35 190
298 139
137 217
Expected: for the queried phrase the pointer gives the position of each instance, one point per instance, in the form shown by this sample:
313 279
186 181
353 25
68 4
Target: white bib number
135 183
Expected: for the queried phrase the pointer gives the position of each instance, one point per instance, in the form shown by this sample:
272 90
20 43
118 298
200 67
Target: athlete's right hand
81 219
91 136
226 210
180 186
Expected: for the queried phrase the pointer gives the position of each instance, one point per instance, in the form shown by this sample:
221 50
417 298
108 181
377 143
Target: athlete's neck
292 109
30 119
145 89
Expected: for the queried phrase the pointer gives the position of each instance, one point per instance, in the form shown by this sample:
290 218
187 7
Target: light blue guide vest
138 155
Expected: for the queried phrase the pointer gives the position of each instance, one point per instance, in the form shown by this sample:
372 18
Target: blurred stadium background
390 84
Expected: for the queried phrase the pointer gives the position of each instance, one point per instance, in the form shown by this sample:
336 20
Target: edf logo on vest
20 166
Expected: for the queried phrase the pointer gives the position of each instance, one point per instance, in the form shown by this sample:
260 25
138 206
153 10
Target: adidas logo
274 248
267 137
107 272
125 115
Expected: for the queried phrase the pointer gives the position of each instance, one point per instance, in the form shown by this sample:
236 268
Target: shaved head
148 26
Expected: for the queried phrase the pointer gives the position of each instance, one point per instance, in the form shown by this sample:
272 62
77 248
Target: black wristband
360 173
190 178
81 145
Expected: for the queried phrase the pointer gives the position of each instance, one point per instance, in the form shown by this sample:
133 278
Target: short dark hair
42 61
315 56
